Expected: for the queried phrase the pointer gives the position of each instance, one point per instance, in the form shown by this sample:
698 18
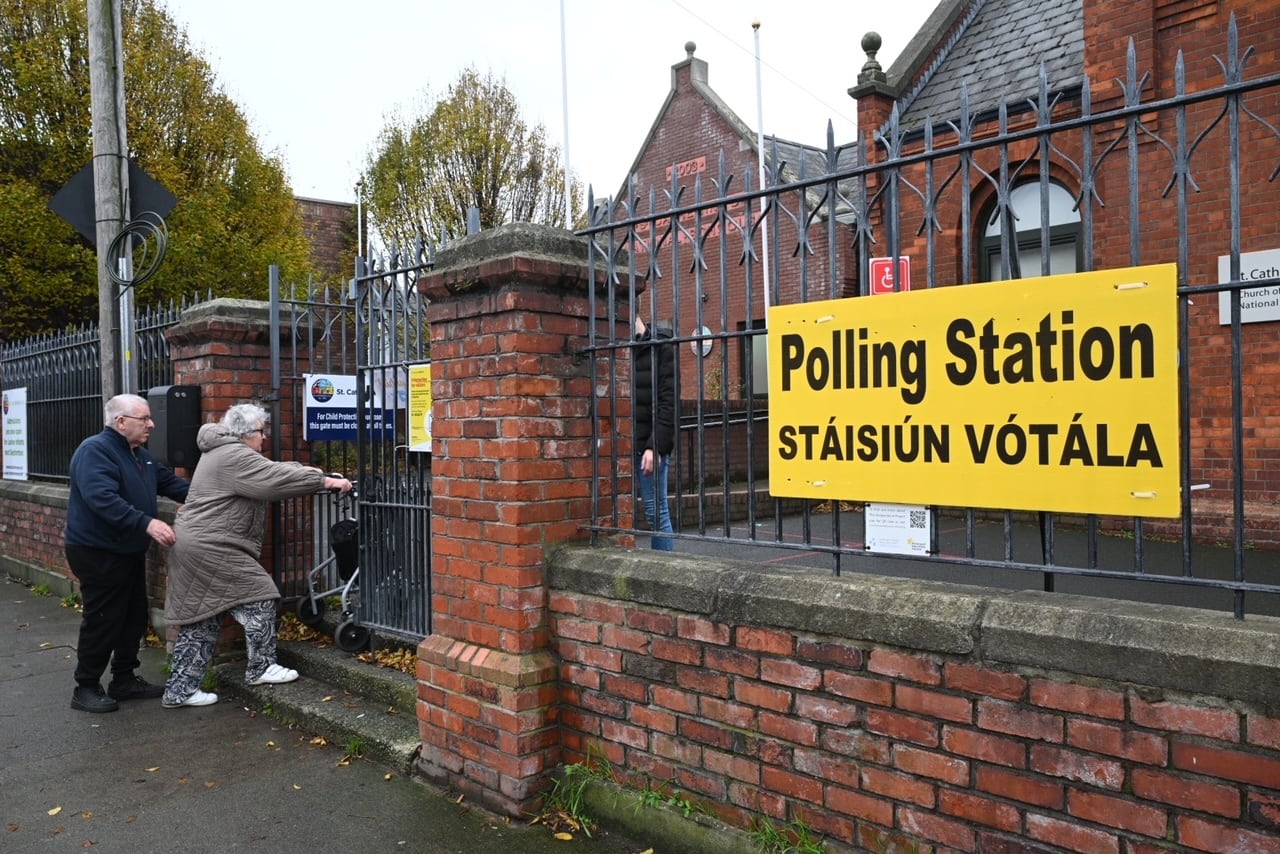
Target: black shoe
133 687
91 698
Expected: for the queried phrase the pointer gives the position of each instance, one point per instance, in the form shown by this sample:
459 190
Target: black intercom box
176 411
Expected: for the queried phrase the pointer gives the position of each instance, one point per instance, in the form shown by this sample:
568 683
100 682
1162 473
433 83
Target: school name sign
1057 393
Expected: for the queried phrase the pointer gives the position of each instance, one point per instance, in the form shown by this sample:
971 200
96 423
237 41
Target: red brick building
332 230
713 154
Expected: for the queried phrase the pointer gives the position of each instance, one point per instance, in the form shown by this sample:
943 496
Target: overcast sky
317 79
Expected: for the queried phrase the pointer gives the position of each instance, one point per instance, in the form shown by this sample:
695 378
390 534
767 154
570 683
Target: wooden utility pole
110 178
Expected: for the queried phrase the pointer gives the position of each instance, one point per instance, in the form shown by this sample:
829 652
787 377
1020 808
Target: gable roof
991 49
791 155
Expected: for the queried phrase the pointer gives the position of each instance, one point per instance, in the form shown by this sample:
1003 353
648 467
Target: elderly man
111 521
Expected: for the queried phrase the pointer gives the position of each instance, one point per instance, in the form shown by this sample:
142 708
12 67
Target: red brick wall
872 744
720 448
223 347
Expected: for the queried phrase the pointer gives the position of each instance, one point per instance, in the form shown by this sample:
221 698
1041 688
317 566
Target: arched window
1064 233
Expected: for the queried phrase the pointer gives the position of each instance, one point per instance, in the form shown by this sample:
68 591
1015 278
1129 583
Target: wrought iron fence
716 255
62 375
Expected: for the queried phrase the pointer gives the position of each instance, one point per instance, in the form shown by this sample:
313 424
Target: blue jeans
653 492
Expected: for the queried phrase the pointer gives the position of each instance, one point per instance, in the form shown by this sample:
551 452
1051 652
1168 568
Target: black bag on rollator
344 538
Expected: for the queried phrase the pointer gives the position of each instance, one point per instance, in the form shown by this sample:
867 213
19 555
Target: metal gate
393 452
374 330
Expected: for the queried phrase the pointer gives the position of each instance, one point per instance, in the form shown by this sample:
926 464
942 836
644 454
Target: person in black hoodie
111 522
654 407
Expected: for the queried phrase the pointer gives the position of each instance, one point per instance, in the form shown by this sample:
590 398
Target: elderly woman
213 565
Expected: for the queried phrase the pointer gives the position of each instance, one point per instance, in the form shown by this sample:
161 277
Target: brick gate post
511 472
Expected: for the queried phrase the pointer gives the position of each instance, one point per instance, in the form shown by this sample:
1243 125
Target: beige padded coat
214 566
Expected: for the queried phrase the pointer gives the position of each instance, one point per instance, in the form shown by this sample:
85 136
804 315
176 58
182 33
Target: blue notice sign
329 410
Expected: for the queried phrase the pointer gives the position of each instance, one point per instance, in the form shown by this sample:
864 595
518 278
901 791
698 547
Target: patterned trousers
193 650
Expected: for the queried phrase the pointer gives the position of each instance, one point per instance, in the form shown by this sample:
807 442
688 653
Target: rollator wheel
310 611
350 637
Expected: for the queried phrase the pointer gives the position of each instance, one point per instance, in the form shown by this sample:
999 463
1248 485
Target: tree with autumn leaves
471 149
235 214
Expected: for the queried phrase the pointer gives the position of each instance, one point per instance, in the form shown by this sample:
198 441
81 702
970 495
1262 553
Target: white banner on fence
14 406
898 528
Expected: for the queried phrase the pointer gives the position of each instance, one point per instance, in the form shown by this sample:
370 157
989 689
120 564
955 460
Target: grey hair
120 405
244 418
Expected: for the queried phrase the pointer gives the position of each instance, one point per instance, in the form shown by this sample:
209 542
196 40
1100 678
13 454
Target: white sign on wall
13 404
1256 304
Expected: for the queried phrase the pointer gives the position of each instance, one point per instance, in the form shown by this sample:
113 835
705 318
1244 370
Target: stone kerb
1165 646
510 312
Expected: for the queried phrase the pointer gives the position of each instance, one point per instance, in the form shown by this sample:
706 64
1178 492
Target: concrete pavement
218 778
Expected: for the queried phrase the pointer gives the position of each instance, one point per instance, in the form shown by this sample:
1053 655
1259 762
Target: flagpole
764 223
564 94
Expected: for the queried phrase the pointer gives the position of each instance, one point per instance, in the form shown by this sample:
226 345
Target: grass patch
795 837
563 810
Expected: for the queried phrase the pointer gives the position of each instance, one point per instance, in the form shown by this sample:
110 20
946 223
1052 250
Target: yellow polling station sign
1057 393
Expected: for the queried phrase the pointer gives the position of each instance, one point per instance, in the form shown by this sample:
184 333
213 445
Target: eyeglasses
136 417
260 431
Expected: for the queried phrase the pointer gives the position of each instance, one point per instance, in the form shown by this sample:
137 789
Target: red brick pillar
511 478
224 347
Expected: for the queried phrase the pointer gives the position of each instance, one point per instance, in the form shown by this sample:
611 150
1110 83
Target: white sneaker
199 698
275 675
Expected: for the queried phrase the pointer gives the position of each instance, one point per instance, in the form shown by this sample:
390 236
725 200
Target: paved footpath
214 779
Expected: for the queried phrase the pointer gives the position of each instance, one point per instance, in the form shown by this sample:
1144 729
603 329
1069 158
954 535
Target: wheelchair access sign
330 412
882 272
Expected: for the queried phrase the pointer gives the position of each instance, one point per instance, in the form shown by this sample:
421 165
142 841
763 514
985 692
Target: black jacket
113 494
654 392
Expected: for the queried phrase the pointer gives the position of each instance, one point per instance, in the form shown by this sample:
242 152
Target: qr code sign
918 518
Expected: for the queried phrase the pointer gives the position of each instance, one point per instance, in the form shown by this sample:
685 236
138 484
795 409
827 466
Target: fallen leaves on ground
293 629
559 821
404 660
55 810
